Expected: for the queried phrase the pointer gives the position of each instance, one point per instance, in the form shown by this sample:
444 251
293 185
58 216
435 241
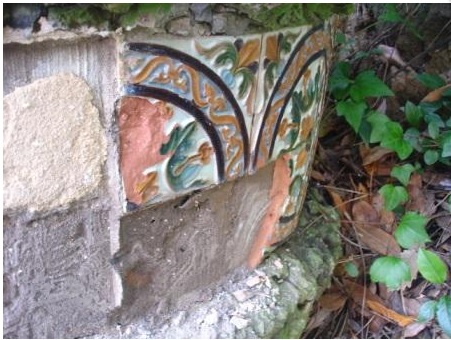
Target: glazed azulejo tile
197 112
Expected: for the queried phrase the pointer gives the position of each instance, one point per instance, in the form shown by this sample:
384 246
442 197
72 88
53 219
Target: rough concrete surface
53 144
187 244
56 274
273 301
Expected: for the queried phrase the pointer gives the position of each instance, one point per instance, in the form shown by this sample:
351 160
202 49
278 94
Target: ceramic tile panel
200 111
282 82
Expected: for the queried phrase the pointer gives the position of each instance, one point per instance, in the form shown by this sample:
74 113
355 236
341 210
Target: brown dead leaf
317 319
410 257
332 301
387 218
436 94
366 220
375 154
413 329
420 202
338 202
360 295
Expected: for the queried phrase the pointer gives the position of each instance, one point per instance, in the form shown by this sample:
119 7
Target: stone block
53 144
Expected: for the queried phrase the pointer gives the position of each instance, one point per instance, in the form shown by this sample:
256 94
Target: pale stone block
53 144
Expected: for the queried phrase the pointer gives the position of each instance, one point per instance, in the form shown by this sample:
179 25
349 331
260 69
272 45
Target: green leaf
393 196
414 114
431 81
351 269
391 271
431 266
377 121
427 311
339 81
367 84
390 14
402 173
352 111
411 231
393 139
431 156
446 146
433 130
412 136
444 314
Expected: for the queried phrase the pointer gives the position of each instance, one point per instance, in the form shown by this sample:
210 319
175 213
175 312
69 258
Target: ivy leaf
412 136
431 156
431 81
444 314
339 80
402 173
427 311
393 139
391 271
411 230
433 130
352 111
367 84
393 196
431 266
390 14
377 121
414 114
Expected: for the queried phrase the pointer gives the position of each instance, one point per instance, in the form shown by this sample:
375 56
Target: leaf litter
351 173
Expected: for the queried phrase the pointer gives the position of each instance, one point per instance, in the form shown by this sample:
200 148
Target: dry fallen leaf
418 201
332 301
436 94
387 218
413 329
338 202
361 296
375 154
366 225
391 54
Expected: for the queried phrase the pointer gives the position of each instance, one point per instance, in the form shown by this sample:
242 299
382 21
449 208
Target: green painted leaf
377 121
444 314
414 114
431 156
411 231
351 269
431 266
402 173
246 82
431 81
352 111
367 84
177 136
391 271
427 311
393 196
393 139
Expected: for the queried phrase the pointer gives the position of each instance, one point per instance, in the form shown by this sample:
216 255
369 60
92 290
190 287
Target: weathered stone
54 146
180 26
202 12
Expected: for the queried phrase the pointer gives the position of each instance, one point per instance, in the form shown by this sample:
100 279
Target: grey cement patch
183 245
53 144
56 274
273 301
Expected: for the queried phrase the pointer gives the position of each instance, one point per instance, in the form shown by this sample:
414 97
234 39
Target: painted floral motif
243 61
188 112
